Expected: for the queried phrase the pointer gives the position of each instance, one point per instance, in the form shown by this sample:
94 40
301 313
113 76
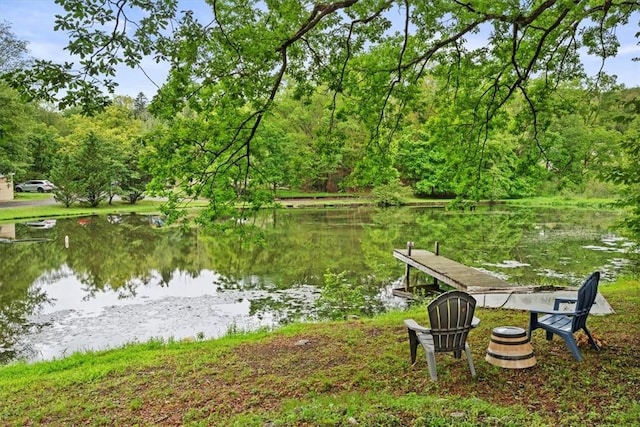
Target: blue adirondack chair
566 323
451 318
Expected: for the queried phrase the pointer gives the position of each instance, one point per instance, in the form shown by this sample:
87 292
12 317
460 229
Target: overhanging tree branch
233 68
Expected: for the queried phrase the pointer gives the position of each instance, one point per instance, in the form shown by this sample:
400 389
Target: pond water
91 283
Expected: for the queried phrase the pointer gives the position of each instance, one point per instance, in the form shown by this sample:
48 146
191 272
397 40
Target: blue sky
33 20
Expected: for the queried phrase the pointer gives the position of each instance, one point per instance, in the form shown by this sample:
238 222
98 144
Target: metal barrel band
524 341
507 357
509 335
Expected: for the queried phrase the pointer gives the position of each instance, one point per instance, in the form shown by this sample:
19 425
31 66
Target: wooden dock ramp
445 270
489 291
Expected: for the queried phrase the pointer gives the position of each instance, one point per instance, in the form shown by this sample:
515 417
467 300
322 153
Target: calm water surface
122 279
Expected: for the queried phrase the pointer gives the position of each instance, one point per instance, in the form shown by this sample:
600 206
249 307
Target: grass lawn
354 372
286 198
58 210
574 201
31 196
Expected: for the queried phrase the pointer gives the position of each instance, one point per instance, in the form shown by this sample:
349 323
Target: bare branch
318 12
347 57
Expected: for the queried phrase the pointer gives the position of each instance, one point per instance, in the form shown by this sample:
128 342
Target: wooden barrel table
510 348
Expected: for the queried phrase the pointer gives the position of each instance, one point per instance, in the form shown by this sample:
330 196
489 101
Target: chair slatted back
586 297
450 316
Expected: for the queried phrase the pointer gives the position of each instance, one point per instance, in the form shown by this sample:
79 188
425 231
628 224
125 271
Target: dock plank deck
448 271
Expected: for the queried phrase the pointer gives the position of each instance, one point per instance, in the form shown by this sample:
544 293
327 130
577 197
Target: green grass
58 210
574 201
354 372
31 196
299 198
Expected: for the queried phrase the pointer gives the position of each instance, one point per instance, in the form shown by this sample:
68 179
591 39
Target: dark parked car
39 185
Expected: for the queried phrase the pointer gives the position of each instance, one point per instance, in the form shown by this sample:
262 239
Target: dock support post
436 250
407 269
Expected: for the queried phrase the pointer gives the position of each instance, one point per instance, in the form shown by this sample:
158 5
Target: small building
6 188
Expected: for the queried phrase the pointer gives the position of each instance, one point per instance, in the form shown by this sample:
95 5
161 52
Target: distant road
38 202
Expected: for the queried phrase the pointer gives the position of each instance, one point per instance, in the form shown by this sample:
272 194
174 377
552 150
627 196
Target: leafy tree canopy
15 119
13 51
14 114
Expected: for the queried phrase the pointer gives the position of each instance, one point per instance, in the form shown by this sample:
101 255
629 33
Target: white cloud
50 51
629 49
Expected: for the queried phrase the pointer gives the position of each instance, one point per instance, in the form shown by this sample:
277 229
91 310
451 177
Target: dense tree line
586 138
90 159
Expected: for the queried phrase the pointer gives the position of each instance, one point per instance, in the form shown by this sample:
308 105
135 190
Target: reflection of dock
444 270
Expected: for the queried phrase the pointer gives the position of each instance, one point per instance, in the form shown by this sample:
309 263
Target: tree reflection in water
123 260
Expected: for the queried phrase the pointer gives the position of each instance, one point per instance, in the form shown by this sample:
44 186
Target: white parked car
45 223
39 185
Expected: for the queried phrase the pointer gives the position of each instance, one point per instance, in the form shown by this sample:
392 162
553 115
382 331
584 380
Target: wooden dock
446 271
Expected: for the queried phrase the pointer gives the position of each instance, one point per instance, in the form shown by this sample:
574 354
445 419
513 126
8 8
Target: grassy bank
58 211
573 201
338 373
285 199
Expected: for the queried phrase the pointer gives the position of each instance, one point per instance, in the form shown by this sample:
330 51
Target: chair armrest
562 300
475 322
561 312
413 325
